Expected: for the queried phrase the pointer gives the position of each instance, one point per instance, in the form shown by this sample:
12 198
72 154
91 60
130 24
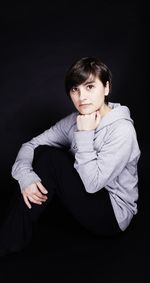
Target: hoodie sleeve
98 168
22 169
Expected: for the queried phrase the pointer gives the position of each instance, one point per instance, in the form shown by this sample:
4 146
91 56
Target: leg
55 167
16 230
93 211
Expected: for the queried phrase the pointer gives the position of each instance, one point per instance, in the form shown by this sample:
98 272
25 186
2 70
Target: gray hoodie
105 157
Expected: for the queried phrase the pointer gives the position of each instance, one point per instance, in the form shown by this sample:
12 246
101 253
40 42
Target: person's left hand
88 122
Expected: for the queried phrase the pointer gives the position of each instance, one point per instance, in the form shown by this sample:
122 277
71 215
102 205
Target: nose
82 94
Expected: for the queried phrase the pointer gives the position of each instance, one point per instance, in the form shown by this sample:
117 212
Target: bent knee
44 152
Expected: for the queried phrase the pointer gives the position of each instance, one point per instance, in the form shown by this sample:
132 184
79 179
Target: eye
90 86
74 90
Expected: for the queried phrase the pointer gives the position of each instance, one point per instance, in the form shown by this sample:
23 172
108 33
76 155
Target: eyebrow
89 82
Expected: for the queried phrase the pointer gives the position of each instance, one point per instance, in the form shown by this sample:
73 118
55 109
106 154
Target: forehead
91 79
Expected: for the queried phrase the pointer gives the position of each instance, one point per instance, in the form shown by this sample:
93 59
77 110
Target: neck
104 110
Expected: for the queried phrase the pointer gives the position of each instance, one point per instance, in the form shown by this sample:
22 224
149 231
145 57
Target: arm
98 168
22 169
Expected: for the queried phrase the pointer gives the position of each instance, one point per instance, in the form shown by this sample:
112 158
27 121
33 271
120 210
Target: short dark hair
81 69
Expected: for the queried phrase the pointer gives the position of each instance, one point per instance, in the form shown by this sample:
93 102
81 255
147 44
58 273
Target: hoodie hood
118 112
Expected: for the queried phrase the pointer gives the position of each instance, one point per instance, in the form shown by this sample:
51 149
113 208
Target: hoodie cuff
84 140
28 180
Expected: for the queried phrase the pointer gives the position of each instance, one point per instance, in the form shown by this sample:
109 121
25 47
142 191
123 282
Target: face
89 96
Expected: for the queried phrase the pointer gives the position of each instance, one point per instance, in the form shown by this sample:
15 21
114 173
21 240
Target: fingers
37 199
34 194
26 201
41 188
88 122
34 200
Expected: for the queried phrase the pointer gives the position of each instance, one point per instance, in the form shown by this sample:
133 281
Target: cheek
71 97
74 99
99 100
97 97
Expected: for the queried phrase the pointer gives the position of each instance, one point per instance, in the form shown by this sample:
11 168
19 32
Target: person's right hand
34 193
88 122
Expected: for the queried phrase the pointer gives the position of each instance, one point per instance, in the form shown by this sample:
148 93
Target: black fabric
94 211
55 168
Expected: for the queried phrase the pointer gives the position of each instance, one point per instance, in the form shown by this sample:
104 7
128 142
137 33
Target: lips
85 105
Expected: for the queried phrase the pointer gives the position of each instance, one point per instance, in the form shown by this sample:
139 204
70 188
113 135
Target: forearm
86 161
22 169
98 168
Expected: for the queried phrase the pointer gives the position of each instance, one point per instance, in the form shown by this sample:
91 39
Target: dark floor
62 251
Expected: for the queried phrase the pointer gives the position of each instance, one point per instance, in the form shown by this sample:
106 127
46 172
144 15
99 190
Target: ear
107 88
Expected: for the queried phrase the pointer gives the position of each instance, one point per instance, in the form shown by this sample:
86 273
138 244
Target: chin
86 112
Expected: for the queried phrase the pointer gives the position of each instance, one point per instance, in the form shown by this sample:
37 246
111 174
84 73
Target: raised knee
42 150
46 152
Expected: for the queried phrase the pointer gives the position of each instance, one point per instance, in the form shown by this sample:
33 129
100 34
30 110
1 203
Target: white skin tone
34 193
89 99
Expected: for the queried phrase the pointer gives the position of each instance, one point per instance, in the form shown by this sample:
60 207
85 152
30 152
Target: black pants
55 168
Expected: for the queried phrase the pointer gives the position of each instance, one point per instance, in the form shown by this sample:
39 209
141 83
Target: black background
38 42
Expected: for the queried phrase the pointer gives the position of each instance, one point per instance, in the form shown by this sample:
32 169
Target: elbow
12 171
93 189
94 185
89 191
